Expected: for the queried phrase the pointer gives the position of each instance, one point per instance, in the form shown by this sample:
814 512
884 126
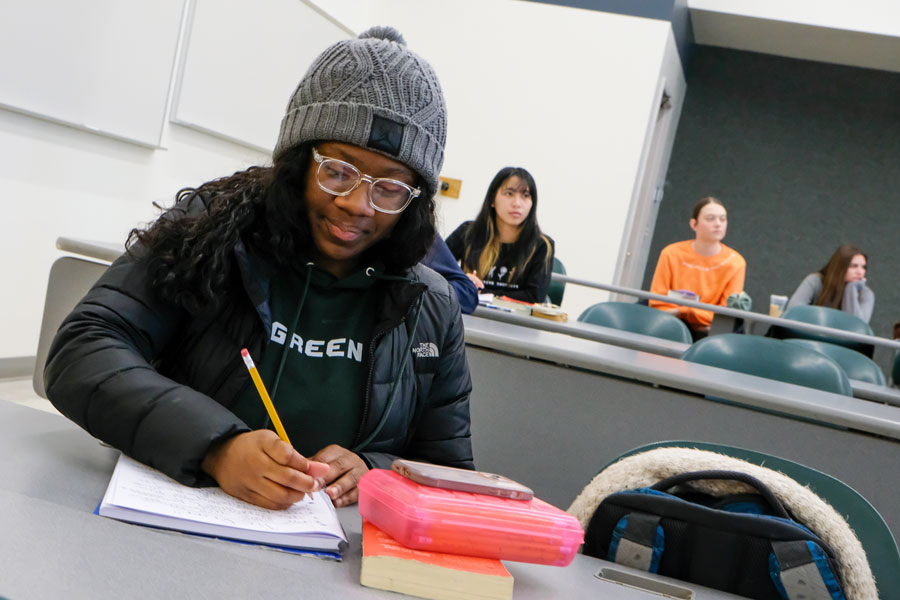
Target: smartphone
463 480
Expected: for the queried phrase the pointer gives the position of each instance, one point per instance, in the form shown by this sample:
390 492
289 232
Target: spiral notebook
142 495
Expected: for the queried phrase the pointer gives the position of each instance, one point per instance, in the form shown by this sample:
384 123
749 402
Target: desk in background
654 345
102 251
589 331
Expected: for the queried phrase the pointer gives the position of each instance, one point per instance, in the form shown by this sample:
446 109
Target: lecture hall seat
637 318
70 279
826 317
856 365
557 288
771 358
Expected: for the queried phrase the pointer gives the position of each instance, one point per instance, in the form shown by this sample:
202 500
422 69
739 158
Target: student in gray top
311 264
839 284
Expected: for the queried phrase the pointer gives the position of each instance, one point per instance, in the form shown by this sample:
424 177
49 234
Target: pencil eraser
317 469
247 360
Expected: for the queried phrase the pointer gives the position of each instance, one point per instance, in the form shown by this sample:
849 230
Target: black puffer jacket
144 376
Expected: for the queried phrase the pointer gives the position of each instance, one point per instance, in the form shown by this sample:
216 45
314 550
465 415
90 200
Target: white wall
566 93
868 16
659 139
864 33
58 181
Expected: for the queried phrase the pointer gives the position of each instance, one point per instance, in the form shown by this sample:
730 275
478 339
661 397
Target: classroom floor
20 390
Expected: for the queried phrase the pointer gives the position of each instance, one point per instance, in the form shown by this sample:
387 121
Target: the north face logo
426 350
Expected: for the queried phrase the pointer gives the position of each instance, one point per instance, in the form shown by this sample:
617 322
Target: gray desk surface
52 477
747 390
877 393
589 331
647 343
104 251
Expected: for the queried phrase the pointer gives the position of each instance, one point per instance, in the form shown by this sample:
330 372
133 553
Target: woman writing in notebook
840 284
311 264
704 266
503 250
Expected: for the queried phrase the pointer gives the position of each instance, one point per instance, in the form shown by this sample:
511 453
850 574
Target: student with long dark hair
703 265
311 264
840 284
503 250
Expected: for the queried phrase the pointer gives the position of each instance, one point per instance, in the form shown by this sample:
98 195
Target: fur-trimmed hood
647 468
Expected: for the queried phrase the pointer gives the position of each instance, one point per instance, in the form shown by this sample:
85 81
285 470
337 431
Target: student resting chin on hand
840 284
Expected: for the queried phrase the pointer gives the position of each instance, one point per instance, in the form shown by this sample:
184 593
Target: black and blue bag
745 544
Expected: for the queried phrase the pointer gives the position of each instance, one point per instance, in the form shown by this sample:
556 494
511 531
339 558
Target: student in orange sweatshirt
704 266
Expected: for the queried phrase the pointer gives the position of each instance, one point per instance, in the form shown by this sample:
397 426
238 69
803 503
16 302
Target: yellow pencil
254 374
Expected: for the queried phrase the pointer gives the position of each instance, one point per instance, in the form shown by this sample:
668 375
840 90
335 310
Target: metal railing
748 316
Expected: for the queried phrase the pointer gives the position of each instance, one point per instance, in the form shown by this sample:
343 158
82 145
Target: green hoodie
319 394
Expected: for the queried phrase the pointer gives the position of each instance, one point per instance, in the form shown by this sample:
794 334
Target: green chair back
557 288
871 530
827 317
895 372
637 318
855 365
774 359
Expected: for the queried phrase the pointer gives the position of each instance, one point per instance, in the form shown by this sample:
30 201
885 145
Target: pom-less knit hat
372 92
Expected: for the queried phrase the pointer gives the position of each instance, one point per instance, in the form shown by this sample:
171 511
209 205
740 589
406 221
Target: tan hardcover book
389 566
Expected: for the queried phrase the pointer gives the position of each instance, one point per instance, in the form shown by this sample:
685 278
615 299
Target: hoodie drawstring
392 395
284 351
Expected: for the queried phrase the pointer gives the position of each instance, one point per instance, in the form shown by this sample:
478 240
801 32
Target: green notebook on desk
142 495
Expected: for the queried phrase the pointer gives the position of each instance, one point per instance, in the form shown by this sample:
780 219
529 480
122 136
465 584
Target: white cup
777 304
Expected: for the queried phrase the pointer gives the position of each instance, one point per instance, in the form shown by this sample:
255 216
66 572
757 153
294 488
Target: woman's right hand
859 285
259 468
474 277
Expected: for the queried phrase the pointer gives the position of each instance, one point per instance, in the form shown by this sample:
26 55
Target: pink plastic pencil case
441 520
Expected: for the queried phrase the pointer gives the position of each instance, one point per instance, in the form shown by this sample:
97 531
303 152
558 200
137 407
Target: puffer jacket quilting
148 378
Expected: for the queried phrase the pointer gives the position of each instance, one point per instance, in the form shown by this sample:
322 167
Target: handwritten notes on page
140 494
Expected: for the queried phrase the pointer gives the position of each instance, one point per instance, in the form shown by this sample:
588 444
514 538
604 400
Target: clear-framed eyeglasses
341 178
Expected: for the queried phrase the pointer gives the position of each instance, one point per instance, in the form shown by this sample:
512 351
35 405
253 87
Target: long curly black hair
190 246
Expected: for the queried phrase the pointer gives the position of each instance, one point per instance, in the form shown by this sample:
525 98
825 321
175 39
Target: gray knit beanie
372 92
